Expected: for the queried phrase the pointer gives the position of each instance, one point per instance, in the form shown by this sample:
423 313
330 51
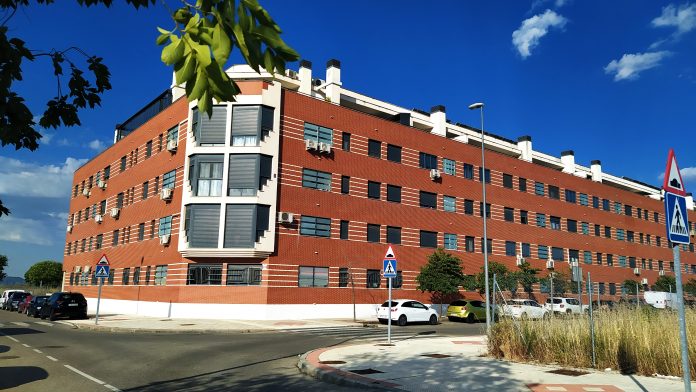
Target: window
526 250
315 226
524 217
489 246
393 153
595 202
450 241
617 207
173 134
583 199
394 193
243 275
344 230
126 276
510 248
607 232
428 239
570 196
373 278
469 244
632 262
488 175
601 288
248 173
658 241
469 207
539 188
509 214
522 184
374 148
145 186
165 225
156 188
448 166
605 204
597 230
372 232
620 234
393 235
585 228
148 271
100 239
628 210
427 161
598 258
428 200
540 220
123 164
468 171
587 257
136 276
204 274
612 288
572 225
488 209
610 260
343 277
107 172
554 193
557 254
543 252
316 179
114 238
168 179
160 275
314 277
141 231
555 223
345 184
373 190
152 229
205 175
318 133
159 143
398 281
345 141
148 149
656 216
671 266
647 239
660 266
573 255
448 203
507 180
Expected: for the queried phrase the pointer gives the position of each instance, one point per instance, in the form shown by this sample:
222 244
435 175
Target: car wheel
382 321
433 319
471 318
52 315
450 318
402 320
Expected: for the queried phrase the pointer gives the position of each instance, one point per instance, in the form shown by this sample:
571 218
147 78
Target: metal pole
551 274
389 320
682 321
495 283
637 296
485 231
101 283
589 290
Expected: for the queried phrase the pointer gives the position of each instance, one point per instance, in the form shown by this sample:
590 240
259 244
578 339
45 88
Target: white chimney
596 169
305 76
333 81
568 161
524 143
439 120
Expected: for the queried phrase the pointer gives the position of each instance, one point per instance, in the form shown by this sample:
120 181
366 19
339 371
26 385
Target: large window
173 134
572 225
250 124
427 161
468 171
540 220
248 173
570 196
168 179
448 166
469 207
526 250
374 148
539 188
373 278
315 226
345 141
488 209
448 203
554 193
510 248
373 190
509 214
507 180
372 232
318 133
165 225
428 200
428 239
210 131
393 153
316 179
397 282
205 175
243 275
313 277
393 235
488 175
204 274
161 275
450 241
202 225
555 223
573 255
394 193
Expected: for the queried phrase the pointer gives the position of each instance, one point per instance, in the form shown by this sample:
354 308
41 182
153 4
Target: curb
309 364
101 328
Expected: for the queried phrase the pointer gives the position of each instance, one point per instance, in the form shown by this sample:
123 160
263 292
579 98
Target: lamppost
550 267
474 106
636 272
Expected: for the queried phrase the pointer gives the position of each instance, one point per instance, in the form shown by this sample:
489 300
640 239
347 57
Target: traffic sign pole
389 318
682 321
101 283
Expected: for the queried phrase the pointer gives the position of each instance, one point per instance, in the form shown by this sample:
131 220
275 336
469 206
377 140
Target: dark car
64 304
22 307
14 300
35 305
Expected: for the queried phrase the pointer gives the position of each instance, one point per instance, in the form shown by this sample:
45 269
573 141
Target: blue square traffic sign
389 268
676 218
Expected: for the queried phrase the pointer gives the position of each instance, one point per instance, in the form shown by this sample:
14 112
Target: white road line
11 338
2 325
113 388
38 351
46 323
85 375
20 323
26 345
51 358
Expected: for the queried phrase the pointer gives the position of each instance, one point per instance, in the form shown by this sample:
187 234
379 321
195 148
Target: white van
6 295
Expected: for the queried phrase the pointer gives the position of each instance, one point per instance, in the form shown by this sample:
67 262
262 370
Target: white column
568 161
305 76
524 143
596 168
439 120
333 81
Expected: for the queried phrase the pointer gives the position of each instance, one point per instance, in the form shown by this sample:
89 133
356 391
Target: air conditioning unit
661 273
311 144
636 271
434 174
291 74
325 147
520 260
172 144
86 192
101 184
286 217
164 239
166 194
69 229
114 212
549 264
98 218
644 281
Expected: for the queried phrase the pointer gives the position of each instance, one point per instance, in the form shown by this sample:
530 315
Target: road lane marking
113 388
85 375
2 325
20 323
38 351
51 358
11 338
46 323
26 345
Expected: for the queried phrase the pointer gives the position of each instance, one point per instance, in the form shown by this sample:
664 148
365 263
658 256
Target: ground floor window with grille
397 282
204 274
313 277
249 275
161 275
343 277
373 278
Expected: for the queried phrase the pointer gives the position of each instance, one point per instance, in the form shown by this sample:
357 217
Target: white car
6 296
405 311
523 309
564 305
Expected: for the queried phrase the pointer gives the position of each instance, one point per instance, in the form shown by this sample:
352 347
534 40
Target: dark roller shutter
239 226
203 225
212 130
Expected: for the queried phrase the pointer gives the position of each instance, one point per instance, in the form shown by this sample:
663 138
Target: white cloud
19 178
531 30
96 145
29 231
46 138
682 18
561 3
631 65
64 142
58 215
688 173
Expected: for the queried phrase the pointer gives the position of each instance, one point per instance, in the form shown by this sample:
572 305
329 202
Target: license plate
72 304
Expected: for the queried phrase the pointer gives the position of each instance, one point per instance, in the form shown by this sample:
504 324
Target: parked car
35 305
469 310
64 304
564 305
5 296
524 309
14 300
22 307
405 311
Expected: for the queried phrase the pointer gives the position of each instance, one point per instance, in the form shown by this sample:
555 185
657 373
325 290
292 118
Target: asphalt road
42 356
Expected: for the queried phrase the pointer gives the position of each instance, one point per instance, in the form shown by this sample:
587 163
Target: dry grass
36 290
643 342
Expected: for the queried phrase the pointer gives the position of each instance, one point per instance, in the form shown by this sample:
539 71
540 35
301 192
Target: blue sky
611 80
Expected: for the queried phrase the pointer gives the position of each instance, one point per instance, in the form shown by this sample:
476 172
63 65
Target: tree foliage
527 276
46 273
561 282
3 264
198 46
506 279
630 286
441 276
665 283
690 287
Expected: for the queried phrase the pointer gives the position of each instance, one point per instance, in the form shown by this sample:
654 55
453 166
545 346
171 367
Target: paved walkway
444 364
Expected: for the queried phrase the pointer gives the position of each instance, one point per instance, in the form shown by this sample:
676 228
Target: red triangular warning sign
390 253
103 260
673 179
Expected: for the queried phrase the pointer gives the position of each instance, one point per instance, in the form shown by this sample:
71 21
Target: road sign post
100 272
389 271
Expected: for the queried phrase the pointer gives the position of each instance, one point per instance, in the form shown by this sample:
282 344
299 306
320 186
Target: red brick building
282 205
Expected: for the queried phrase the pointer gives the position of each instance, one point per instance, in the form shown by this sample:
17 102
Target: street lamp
474 106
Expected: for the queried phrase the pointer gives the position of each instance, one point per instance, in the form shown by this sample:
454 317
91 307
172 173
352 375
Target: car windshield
386 304
458 302
555 300
72 297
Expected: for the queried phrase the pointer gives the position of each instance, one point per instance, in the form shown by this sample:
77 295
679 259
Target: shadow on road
15 376
4 349
19 331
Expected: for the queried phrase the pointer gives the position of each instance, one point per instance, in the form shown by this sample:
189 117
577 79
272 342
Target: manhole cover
568 372
365 371
332 362
436 355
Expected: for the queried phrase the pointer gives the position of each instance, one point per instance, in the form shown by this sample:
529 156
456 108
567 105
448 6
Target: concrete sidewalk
444 364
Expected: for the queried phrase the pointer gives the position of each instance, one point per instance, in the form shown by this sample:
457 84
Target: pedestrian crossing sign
102 271
389 268
677 220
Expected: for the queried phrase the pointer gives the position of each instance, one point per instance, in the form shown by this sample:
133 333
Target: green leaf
202 52
268 61
200 84
186 69
222 45
162 38
163 31
174 51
